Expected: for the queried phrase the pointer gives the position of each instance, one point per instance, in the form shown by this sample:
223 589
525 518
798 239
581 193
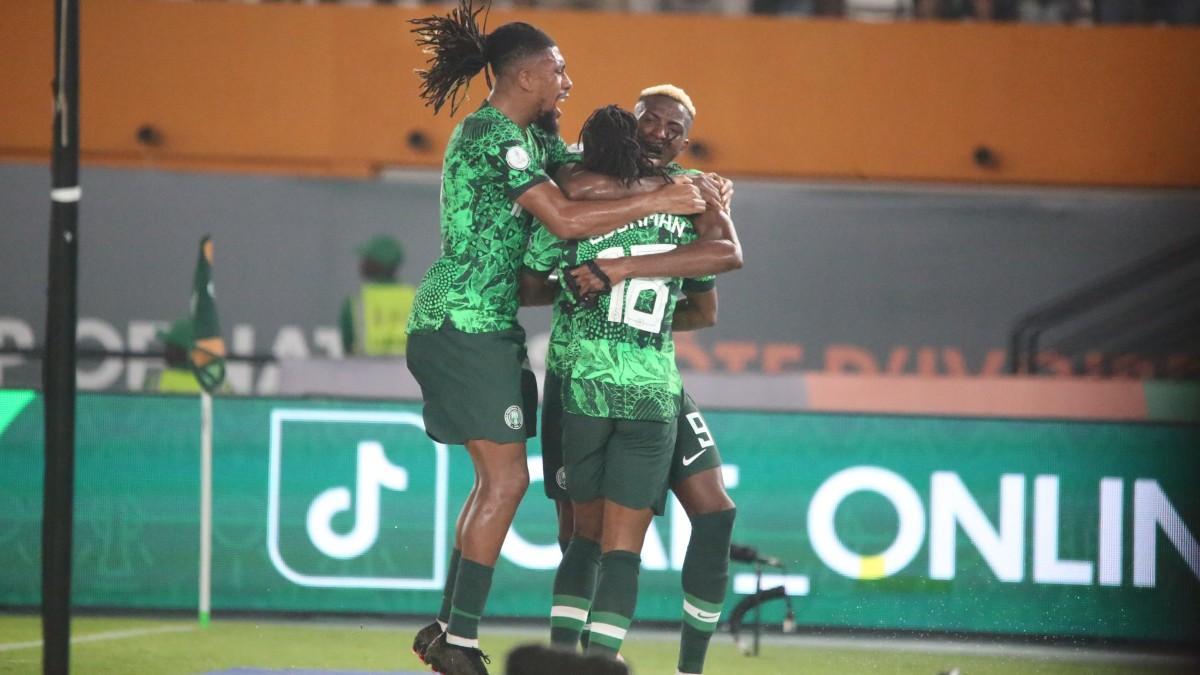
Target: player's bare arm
537 289
567 219
716 251
580 184
695 310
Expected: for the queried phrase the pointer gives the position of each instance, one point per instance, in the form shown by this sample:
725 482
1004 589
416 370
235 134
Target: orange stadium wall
330 91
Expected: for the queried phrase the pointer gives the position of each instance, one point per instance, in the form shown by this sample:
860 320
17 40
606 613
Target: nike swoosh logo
687 461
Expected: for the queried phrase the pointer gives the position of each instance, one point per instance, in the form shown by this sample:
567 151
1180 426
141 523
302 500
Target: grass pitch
125 646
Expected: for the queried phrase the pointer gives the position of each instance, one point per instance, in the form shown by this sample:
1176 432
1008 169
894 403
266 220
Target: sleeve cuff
514 192
535 270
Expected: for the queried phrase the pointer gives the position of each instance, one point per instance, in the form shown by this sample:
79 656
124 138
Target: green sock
616 598
470 595
574 585
705 577
443 616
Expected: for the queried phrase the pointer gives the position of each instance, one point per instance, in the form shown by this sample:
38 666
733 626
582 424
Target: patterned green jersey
544 255
489 163
622 356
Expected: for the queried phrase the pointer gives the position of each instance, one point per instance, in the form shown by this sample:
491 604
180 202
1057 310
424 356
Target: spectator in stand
1054 11
176 377
798 7
1148 11
374 320
1175 12
980 10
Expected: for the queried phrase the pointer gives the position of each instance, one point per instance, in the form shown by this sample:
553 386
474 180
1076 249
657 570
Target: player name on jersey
673 224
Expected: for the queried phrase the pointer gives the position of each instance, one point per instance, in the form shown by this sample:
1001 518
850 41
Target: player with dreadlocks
465 347
665 114
620 396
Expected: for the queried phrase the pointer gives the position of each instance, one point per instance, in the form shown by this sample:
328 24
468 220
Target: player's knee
588 530
729 515
703 493
589 524
516 487
705 504
507 489
566 526
721 502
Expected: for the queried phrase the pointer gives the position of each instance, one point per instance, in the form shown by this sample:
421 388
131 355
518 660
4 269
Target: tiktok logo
356 499
374 473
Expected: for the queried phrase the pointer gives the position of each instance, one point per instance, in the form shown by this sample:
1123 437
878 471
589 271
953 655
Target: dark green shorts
624 461
695 447
475 385
553 475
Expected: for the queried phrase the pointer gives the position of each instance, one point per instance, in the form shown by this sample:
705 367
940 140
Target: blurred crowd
1037 11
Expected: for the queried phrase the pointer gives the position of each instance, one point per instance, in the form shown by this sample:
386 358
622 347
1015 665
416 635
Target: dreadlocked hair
459 48
455 45
611 147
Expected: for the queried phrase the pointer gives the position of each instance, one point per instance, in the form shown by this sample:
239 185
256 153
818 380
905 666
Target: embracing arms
568 219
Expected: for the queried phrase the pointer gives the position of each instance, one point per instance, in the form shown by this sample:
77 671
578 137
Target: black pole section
58 368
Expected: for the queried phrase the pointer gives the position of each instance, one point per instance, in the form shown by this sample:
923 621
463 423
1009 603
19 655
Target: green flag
207 356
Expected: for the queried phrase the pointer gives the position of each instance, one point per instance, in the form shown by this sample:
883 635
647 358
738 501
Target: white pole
206 429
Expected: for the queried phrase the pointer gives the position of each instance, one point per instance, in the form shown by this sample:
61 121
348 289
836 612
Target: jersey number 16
623 300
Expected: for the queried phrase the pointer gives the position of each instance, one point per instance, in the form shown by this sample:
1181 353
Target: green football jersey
622 358
545 255
489 163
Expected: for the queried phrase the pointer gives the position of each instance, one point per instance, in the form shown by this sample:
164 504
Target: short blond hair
673 92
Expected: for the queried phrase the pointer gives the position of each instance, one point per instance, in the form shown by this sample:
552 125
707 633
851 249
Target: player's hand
681 198
726 189
586 285
710 186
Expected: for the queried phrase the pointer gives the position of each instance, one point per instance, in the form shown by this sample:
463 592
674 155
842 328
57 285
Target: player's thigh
585 440
474 385
637 461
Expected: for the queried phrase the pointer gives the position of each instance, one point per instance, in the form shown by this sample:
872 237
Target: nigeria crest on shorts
513 417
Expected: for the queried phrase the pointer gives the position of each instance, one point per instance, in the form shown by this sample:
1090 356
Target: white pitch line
981 647
99 637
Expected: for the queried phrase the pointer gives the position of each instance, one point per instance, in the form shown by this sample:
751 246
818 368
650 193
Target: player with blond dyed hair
465 347
664 117
672 92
